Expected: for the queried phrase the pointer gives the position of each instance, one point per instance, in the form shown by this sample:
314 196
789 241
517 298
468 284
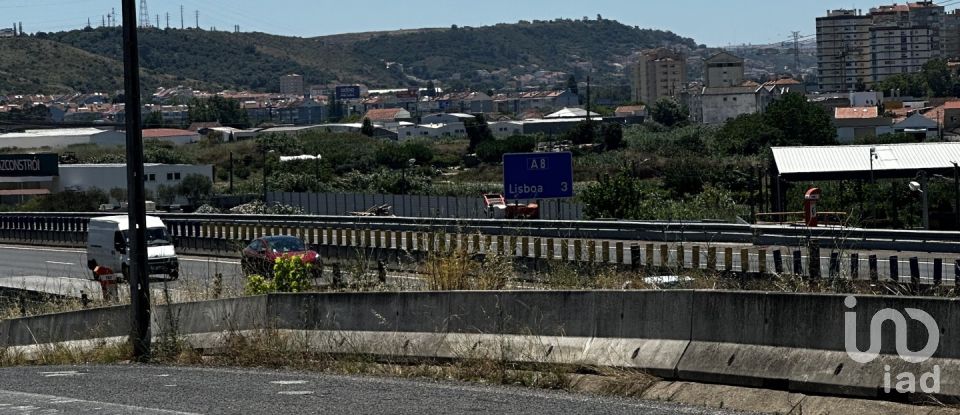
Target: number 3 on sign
564 186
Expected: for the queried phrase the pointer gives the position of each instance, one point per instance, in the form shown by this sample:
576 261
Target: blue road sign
537 175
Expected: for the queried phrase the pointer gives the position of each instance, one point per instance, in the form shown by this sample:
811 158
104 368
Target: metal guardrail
70 229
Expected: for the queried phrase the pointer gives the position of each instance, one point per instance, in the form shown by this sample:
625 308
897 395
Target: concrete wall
717 109
109 176
787 341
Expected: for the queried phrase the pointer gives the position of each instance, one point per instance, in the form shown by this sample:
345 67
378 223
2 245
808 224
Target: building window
151 177
176 176
169 177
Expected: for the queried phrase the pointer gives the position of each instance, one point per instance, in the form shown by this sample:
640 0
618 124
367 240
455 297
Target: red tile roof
386 114
855 112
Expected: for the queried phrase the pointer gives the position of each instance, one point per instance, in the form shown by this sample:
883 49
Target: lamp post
956 191
873 156
922 188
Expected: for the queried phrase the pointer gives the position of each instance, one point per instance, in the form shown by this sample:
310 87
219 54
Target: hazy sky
714 22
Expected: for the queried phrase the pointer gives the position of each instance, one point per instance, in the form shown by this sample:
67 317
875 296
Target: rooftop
854 161
856 112
166 132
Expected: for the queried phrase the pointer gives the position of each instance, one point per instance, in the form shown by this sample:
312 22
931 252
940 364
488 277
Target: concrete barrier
793 342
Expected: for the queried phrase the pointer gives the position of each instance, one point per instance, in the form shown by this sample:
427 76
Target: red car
259 256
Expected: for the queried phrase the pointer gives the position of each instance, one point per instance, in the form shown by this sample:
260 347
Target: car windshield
282 245
154 236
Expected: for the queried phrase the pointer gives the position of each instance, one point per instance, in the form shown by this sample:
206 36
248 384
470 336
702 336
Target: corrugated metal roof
856 158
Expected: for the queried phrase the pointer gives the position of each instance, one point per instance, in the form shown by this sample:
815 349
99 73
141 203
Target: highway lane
17 261
180 390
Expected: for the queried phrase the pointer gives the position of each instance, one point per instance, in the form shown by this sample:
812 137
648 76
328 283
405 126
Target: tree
218 109
478 131
669 112
800 122
166 194
583 132
746 135
367 128
937 75
612 134
119 194
195 188
153 120
572 85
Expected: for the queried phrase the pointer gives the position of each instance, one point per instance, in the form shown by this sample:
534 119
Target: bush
67 201
492 151
290 275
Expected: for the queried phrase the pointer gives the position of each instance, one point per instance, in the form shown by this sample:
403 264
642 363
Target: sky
713 22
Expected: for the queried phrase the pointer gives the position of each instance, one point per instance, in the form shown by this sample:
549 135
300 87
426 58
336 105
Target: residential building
629 111
860 122
951 35
291 85
723 70
922 128
856 51
904 37
5 32
720 104
659 73
843 50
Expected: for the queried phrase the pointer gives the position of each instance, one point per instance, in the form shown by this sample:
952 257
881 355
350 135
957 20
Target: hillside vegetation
90 59
33 65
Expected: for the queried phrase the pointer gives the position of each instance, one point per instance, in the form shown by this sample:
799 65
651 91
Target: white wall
717 109
106 139
109 176
431 131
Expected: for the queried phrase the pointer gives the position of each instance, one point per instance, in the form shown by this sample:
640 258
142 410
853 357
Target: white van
107 241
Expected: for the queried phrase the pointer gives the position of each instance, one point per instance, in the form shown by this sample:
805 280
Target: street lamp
922 188
873 156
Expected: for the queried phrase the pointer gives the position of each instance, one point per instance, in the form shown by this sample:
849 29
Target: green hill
32 65
89 59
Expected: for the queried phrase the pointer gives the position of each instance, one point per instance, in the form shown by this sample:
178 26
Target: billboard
348 92
538 175
29 165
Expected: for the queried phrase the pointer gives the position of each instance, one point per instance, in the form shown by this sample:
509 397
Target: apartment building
658 73
859 50
951 35
843 50
904 37
291 85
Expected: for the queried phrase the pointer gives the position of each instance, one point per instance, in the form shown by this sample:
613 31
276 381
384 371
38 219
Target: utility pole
181 18
168 20
197 13
796 54
88 23
158 21
137 214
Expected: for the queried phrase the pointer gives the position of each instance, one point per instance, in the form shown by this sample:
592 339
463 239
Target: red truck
496 207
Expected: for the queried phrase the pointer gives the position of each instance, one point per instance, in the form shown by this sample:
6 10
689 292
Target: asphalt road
18 261
178 390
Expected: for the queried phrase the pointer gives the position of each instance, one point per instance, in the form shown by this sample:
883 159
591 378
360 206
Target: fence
415 206
361 237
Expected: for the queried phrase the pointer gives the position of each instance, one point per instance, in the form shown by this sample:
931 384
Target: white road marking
295 393
59 263
82 251
288 382
53 399
61 374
